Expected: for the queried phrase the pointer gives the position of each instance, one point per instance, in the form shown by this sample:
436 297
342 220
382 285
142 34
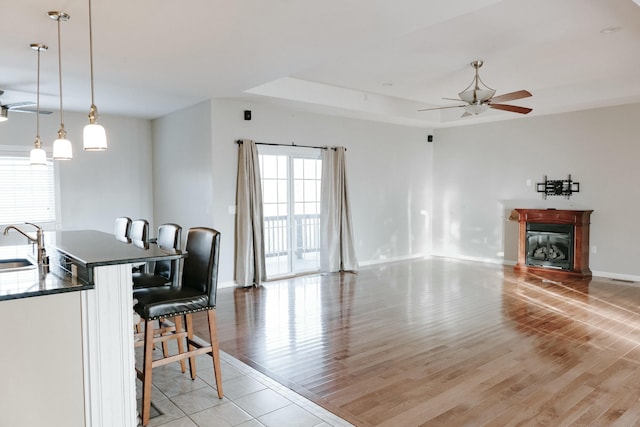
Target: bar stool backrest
200 269
139 230
169 237
122 228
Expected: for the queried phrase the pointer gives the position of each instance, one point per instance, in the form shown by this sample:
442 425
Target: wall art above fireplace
557 187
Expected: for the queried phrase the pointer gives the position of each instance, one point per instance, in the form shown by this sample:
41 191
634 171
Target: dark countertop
85 248
27 283
92 248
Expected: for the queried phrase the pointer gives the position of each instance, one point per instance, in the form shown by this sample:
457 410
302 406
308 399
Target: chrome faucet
43 262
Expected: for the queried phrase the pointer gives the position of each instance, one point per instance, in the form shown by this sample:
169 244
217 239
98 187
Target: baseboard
392 259
499 261
227 284
627 278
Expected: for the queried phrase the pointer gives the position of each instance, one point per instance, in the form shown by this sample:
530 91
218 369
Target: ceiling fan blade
441 108
29 110
466 114
511 108
511 96
17 105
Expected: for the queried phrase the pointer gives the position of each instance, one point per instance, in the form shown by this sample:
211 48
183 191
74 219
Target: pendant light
94 135
38 157
62 149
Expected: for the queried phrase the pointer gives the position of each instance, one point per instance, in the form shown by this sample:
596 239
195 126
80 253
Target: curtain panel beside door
250 267
337 251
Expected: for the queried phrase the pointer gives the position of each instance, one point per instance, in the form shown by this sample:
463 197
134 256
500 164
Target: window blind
26 192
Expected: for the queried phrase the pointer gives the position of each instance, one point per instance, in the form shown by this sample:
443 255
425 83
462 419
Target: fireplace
554 242
550 246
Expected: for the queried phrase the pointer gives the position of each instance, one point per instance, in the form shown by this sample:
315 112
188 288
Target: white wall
182 168
389 173
95 187
480 174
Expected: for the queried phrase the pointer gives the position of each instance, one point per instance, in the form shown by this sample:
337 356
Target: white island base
108 352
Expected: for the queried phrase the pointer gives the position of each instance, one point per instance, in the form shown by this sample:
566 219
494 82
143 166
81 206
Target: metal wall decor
557 187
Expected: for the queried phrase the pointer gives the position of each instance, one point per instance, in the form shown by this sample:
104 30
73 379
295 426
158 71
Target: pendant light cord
60 75
91 53
38 100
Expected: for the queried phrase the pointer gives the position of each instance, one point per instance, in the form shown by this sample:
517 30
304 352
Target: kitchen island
71 334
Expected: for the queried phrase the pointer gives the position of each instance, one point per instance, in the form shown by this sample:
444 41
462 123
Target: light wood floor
444 342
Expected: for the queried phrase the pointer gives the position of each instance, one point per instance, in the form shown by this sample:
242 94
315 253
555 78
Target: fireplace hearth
554 242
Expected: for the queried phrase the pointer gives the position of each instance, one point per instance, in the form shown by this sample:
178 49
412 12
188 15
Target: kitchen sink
15 264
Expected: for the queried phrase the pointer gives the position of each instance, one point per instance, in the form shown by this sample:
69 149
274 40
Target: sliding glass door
291 178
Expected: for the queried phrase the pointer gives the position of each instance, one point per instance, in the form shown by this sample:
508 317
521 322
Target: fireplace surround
554 242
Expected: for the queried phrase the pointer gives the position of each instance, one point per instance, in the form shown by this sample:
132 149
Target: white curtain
250 267
336 237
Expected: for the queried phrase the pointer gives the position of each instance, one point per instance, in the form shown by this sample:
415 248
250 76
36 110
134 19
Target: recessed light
612 29
391 84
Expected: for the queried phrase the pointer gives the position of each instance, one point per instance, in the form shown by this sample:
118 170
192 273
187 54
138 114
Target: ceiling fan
478 99
22 107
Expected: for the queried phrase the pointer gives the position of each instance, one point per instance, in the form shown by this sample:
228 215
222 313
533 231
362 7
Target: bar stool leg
192 360
178 323
165 346
215 350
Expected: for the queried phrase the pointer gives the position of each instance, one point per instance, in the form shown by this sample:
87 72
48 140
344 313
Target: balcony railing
306 235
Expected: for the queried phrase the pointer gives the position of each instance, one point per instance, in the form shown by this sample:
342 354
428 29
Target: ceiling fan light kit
479 97
476 108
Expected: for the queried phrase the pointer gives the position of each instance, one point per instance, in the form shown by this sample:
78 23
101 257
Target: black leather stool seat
154 303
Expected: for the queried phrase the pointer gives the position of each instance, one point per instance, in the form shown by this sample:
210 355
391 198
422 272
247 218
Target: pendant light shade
94 135
62 149
38 157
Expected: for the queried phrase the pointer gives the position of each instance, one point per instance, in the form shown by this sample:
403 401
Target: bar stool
122 228
164 272
139 230
139 235
197 292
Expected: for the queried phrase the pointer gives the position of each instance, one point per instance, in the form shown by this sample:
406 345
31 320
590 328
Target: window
26 192
291 180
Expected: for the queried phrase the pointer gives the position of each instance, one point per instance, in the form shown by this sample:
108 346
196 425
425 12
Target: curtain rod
293 144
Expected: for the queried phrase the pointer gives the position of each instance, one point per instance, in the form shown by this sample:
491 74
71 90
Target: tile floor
251 399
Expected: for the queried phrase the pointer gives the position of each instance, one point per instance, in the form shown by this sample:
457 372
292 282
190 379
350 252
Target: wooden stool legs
195 347
215 351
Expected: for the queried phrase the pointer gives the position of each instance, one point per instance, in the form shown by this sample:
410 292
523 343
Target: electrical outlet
594 249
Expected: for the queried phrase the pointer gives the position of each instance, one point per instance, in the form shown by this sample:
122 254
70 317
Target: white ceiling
373 59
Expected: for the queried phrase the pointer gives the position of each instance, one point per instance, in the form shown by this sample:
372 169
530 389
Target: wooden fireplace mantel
580 221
